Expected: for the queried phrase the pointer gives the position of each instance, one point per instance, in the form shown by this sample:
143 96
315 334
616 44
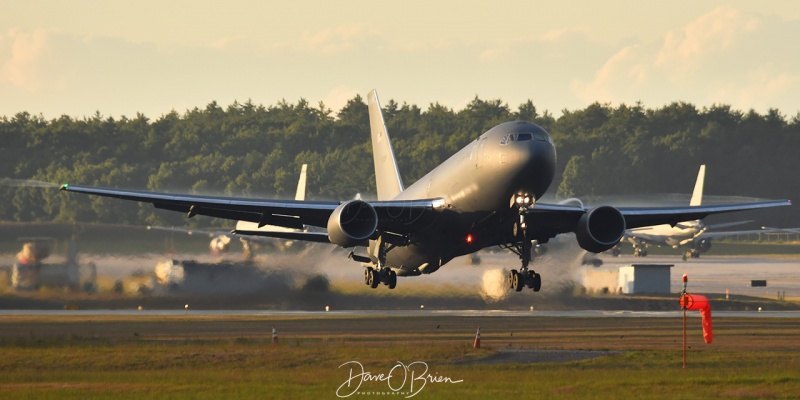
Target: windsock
477 344
697 302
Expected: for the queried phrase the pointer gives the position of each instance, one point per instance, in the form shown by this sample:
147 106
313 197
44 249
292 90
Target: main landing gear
375 276
380 273
523 278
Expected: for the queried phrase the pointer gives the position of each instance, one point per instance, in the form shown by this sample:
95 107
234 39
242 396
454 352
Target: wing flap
319 237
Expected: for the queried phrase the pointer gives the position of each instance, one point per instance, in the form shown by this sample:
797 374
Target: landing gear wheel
511 278
392 279
536 285
518 281
374 279
367 276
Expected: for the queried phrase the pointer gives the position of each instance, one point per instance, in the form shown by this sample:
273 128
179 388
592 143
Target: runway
400 313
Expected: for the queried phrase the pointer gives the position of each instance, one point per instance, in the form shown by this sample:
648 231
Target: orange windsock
698 302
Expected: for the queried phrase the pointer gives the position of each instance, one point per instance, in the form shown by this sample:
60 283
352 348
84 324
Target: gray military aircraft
484 195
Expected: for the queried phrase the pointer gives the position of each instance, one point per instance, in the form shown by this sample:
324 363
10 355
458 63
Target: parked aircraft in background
484 195
694 234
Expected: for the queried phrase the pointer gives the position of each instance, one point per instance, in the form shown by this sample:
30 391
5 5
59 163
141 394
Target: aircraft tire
511 278
537 282
375 279
518 281
367 275
392 279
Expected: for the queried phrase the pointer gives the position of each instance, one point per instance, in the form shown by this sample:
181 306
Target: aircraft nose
534 162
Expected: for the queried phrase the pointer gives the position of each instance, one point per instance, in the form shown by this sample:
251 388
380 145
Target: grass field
232 357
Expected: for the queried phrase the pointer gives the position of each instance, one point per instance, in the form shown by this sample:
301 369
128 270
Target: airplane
694 233
484 195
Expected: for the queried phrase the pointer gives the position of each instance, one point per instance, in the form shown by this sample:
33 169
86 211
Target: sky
120 58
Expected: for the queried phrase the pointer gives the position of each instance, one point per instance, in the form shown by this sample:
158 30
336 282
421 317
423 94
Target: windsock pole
477 344
274 335
683 306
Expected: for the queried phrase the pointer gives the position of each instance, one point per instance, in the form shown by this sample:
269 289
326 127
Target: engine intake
600 229
351 223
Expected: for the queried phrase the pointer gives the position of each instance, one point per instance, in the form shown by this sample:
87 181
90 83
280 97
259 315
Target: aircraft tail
697 194
301 184
387 175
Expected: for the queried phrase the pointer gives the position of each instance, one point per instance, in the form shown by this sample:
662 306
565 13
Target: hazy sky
122 57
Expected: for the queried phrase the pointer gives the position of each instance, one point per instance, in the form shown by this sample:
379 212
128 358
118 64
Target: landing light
519 199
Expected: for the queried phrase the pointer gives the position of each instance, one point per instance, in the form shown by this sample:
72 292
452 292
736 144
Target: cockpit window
519 137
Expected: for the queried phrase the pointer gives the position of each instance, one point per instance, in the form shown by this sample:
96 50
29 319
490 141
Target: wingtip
65 186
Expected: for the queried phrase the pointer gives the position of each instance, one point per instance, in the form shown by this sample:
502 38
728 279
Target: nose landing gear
518 280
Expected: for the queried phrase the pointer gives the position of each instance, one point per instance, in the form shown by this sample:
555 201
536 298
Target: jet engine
702 245
352 223
600 229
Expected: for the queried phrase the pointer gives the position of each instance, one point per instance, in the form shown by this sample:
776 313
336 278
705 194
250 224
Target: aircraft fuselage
478 184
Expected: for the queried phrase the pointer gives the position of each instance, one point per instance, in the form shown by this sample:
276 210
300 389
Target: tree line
253 150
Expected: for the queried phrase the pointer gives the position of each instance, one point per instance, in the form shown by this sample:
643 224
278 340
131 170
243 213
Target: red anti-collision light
469 238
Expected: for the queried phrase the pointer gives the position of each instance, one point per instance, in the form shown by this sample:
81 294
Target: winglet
387 175
697 194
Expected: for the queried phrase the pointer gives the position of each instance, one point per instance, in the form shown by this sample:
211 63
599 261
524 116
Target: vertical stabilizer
301 184
697 194
387 176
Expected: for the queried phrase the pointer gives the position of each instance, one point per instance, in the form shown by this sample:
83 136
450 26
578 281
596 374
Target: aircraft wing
551 219
393 216
636 217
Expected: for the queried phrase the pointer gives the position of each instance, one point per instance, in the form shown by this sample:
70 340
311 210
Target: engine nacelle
600 229
352 223
702 245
